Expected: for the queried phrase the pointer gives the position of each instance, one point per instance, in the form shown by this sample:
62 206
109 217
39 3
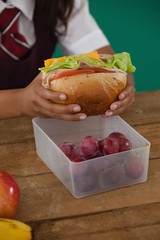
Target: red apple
9 195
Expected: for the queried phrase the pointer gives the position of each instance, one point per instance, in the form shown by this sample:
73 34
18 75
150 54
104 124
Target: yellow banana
14 230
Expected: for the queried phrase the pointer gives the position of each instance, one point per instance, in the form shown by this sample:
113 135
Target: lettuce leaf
69 63
89 61
120 60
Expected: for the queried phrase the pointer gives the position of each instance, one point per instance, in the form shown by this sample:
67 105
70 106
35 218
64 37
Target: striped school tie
12 43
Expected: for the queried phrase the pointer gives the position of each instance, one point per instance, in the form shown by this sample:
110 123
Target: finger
123 103
61 109
130 90
44 103
122 109
51 95
45 108
67 117
119 107
126 103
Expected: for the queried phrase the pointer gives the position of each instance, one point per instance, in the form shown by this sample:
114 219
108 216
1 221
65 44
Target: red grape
71 151
134 168
86 182
77 158
68 148
117 135
80 169
113 175
89 146
124 144
109 145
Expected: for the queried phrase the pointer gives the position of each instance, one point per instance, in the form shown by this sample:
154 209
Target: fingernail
76 108
62 96
122 96
82 117
114 107
108 114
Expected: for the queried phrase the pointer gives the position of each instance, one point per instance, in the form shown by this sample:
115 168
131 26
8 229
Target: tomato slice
103 70
72 72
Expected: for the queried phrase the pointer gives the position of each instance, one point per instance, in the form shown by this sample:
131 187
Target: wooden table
131 213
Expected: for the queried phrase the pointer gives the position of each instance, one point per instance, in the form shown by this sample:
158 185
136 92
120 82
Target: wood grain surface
130 213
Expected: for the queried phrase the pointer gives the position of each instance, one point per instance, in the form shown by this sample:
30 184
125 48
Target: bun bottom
93 92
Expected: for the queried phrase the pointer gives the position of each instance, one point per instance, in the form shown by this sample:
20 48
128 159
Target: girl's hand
125 100
38 101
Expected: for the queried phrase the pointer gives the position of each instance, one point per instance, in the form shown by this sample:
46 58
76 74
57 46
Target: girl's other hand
38 101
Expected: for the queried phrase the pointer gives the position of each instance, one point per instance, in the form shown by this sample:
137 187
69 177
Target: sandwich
91 80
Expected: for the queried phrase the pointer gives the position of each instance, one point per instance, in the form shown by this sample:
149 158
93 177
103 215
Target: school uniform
83 35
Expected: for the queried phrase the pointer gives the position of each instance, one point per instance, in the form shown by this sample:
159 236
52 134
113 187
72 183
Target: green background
133 26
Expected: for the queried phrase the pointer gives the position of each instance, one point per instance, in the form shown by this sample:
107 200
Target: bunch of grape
90 147
87 176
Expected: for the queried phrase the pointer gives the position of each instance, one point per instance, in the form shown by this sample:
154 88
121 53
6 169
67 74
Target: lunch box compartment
96 175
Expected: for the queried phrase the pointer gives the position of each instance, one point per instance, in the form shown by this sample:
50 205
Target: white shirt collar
27 7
